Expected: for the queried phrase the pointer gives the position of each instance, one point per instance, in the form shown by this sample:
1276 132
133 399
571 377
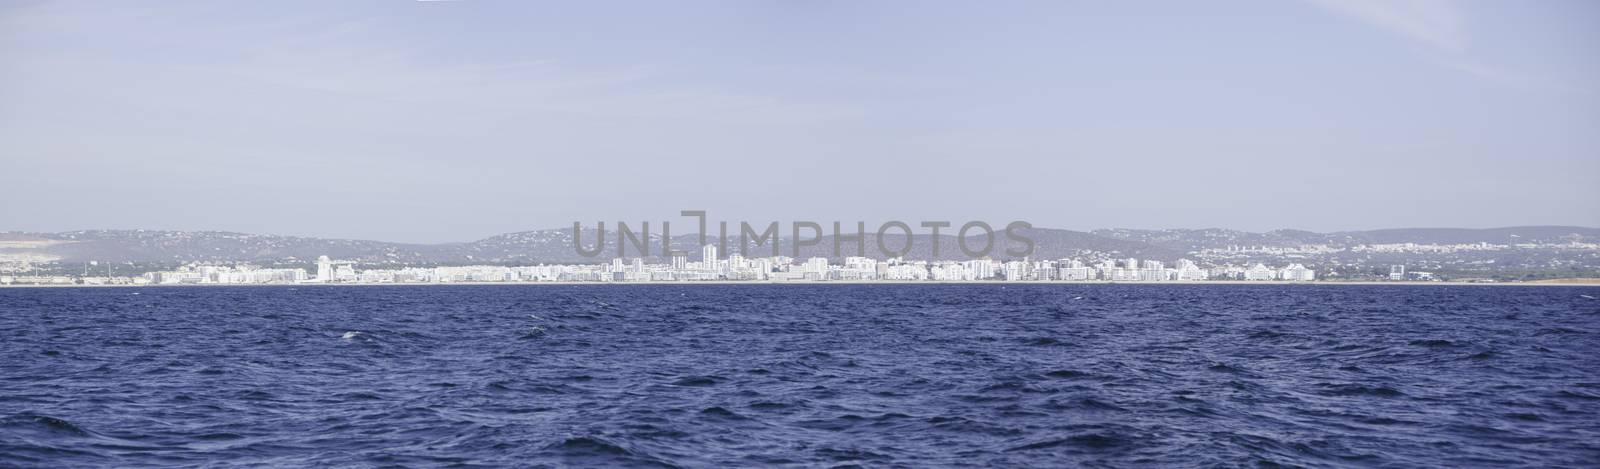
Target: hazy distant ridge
555 245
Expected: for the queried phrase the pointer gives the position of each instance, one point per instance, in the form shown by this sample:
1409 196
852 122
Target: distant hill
1189 240
187 246
1511 235
555 245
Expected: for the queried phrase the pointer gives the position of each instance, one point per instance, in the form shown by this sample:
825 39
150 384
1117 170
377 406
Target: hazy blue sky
450 121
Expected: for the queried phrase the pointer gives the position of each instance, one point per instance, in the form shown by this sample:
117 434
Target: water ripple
817 375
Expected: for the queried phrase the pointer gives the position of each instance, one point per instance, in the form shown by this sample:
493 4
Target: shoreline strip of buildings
711 267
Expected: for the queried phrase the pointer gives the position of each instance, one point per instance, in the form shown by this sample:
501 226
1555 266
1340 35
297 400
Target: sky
445 121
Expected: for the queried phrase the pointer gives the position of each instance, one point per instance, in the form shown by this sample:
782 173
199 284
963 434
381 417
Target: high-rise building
324 269
680 260
708 257
817 265
1152 271
981 268
1013 270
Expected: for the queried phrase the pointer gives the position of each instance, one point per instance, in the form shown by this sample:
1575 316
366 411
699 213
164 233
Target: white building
980 269
816 268
1260 272
324 269
1297 273
1152 271
708 257
1188 270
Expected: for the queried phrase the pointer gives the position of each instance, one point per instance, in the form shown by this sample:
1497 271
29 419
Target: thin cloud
1436 23
1439 26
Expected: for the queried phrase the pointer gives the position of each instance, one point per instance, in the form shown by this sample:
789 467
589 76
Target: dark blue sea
801 375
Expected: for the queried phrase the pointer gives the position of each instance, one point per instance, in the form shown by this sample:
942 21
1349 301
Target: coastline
1544 283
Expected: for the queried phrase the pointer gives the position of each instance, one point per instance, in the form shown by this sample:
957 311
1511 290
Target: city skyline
713 267
1229 263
